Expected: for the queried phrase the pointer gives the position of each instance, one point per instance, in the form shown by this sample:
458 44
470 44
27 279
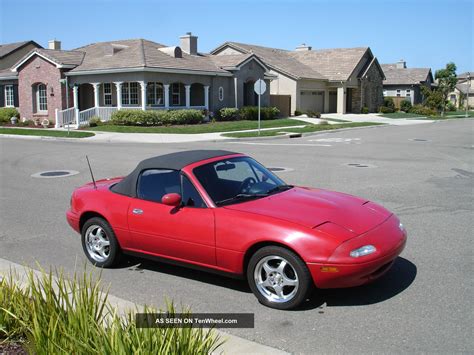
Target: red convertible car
225 212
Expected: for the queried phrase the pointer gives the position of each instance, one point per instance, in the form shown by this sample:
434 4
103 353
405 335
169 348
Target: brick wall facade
35 71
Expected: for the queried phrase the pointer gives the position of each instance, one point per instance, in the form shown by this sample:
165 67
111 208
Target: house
464 90
9 54
326 80
404 83
71 86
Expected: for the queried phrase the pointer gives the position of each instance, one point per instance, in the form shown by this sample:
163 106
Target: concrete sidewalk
233 344
374 117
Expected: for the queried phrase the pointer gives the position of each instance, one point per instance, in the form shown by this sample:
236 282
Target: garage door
312 101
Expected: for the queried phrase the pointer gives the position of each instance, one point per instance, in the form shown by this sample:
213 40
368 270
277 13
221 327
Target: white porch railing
86 115
105 112
65 117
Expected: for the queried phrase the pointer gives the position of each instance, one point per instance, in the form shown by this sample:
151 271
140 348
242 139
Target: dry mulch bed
12 349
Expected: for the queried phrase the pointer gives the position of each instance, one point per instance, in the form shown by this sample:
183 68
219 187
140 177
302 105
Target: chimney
401 64
188 43
53 44
303 47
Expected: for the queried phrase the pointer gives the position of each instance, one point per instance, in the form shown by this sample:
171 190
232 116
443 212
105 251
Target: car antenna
92 175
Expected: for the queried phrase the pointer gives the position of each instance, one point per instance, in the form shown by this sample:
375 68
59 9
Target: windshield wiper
279 188
240 197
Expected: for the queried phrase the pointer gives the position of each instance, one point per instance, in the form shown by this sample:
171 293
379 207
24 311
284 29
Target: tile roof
464 88
7 74
7 48
228 61
62 57
404 76
463 76
139 53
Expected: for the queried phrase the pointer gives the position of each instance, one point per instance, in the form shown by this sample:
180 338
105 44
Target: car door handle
137 211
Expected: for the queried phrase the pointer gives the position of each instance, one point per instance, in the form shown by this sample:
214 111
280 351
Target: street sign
260 87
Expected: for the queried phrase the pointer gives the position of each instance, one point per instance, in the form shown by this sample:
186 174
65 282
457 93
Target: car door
185 233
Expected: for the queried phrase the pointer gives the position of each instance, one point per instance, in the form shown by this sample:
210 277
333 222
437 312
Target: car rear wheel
278 277
99 243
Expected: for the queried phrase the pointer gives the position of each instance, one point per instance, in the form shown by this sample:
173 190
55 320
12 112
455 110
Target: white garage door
312 101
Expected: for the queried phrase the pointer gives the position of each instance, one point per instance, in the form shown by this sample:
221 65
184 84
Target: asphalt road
423 173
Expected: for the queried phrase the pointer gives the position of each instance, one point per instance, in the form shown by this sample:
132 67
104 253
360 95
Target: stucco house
327 80
10 53
134 74
404 83
464 91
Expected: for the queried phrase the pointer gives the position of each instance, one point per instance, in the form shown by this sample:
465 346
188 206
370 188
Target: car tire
276 284
99 243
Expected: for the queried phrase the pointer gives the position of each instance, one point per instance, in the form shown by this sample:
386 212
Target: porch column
75 90
143 85
235 92
341 99
206 97
118 86
167 95
188 95
326 101
96 94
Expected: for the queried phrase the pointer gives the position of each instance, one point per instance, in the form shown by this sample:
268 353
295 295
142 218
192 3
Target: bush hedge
251 113
386 109
6 113
156 118
388 102
423 110
364 110
405 106
228 114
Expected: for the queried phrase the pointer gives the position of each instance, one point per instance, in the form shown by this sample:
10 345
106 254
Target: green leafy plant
450 106
95 121
251 113
298 113
405 106
6 113
385 109
313 114
228 114
447 80
156 118
364 110
389 103
423 110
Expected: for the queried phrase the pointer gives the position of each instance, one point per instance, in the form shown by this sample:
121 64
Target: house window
385 93
398 92
408 92
130 93
155 94
9 101
221 93
41 98
175 94
107 94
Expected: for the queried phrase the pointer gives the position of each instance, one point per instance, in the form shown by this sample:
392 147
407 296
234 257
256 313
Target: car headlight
362 251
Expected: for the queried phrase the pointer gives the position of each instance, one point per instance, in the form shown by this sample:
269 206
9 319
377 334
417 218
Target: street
423 173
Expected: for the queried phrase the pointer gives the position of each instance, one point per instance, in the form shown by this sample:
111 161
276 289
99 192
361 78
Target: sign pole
260 83
259 87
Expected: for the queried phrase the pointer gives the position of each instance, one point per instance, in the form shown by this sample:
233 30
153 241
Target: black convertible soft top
172 161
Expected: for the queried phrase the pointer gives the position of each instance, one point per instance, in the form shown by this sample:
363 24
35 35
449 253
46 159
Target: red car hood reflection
313 207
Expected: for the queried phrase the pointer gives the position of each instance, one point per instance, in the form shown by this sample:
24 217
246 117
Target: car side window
153 184
190 195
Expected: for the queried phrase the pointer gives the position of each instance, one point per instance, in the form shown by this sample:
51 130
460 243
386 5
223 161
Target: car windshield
237 180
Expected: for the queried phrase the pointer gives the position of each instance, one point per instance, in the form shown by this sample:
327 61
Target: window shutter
2 96
16 102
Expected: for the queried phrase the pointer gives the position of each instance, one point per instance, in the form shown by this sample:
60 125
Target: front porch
101 99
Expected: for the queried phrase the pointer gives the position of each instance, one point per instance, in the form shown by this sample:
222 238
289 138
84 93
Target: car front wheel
278 277
99 243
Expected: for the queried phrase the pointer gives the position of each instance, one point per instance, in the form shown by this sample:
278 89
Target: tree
433 98
447 81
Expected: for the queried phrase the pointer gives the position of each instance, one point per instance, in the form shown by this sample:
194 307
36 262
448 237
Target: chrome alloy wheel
97 243
276 279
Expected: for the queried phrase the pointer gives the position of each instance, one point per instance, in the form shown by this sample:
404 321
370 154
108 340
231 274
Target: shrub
6 113
228 114
156 118
423 110
298 113
385 109
95 121
450 106
364 110
251 113
73 316
313 114
405 106
388 102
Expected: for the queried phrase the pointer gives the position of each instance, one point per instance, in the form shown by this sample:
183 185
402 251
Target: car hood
315 207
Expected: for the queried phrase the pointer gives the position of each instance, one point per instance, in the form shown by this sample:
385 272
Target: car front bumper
389 241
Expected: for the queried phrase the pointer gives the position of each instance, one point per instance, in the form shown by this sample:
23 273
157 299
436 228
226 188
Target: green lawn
400 115
201 128
45 132
306 129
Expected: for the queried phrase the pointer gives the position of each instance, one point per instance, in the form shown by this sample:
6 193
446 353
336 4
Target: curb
233 344
44 138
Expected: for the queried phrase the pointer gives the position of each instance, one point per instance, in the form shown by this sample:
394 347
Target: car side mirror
171 199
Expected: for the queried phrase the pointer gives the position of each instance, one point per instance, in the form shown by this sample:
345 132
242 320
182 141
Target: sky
423 33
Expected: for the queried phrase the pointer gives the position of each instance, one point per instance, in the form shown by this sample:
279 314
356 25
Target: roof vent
114 48
303 47
401 64
54 44
189 43
174 52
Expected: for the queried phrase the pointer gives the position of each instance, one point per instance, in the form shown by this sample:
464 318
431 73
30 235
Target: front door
182 233
349 100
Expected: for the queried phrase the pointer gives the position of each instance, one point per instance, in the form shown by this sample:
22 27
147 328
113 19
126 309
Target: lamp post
467 93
